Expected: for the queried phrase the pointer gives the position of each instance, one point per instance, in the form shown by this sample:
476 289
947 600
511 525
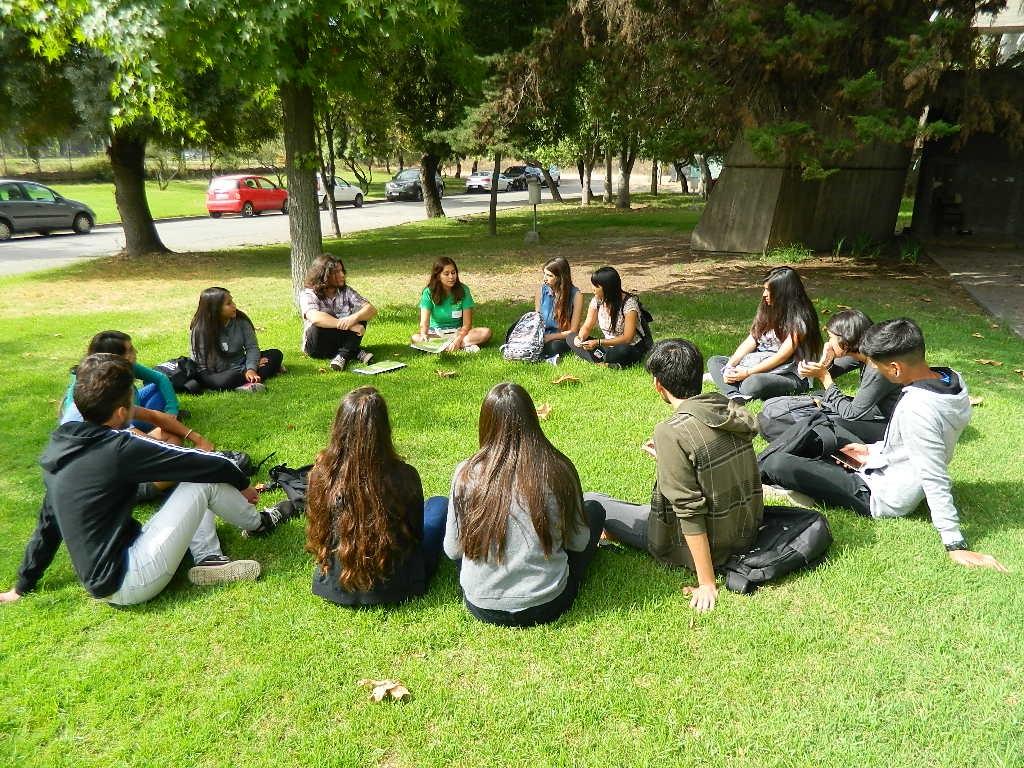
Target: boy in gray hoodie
892 477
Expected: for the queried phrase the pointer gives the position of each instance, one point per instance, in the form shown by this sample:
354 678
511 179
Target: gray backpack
525 339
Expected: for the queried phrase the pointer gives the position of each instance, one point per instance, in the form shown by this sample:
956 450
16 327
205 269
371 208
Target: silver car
26 206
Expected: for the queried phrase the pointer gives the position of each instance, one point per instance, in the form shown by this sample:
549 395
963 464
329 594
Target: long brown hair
559 267
208 322
437 290
353 509
516 462
318 276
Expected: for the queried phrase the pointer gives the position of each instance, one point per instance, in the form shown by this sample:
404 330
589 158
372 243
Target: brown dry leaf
289 426
977 336
442 374
826 311
983 361
842 306
53 401
544 410
386 689
321 370
993 325
1019 370
566 379
976 401
925 298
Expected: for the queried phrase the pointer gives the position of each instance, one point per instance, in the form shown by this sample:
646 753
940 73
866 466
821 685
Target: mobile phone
847 461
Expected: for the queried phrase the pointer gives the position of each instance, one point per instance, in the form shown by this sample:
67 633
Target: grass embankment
888 654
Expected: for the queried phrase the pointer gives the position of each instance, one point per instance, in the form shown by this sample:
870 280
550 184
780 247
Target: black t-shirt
408 578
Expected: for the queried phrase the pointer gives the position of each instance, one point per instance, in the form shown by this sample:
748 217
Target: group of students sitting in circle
516 522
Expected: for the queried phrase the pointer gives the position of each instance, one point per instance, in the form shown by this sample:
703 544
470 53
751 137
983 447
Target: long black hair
611 284
790 313
208 322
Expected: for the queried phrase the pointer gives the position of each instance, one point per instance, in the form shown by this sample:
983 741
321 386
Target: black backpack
646 318
183 373
294 483
789 539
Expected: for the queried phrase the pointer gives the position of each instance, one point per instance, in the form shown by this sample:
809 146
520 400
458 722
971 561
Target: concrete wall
758 204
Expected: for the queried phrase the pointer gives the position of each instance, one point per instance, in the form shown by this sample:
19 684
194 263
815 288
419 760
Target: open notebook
381 367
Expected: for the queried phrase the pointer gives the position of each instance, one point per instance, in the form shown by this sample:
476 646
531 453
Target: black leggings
622 354
556 347
235 377
551 610
325 343
821 479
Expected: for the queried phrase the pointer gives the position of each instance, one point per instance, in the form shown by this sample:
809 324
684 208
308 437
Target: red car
245 194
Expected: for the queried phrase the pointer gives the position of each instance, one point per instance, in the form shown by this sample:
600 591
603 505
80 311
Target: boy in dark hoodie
910 464
706 503
91 470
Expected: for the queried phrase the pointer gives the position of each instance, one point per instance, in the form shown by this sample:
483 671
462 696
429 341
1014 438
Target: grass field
886 655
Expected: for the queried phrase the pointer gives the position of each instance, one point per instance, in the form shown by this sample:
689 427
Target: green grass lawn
886 655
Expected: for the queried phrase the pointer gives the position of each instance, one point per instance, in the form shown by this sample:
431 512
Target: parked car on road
520 173
481 180
406 184
26 206
246 194
343 192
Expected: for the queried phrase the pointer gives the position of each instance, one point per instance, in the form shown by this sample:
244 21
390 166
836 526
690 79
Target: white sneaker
338 362
470 348
254 386
553 360
218 569
364 357
784 497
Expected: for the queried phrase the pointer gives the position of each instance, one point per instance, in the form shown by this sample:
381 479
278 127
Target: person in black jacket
91 470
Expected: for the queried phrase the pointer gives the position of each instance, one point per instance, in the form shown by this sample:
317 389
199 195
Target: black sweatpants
551 610
235 377
822 479
622 354
325 343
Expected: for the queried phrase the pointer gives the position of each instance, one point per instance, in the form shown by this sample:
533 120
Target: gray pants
759 386
626 522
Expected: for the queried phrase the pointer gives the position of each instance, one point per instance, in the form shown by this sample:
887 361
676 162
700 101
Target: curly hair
318 276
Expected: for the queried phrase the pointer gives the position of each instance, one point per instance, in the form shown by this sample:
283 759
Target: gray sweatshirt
911 464
875 399
237 348
525 577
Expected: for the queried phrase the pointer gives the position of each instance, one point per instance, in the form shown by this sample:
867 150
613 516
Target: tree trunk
705 176
429 164
300 165
556 195
492 216
127 153
401 161
608 174
654 178
627 156
588 193
458 167
681 173
581 167
474 166
325 152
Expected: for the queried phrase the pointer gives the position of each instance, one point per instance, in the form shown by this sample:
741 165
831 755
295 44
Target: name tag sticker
456 314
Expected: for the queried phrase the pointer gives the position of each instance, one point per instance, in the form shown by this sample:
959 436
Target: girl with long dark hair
373 540
224 346
334 315
446 309
516 518
785 332
617 314
560 303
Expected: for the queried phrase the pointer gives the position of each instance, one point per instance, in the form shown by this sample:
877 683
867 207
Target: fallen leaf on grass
977 336
386 689
566 379
321 370
842 306
826 311
993 325
441 374
1019 370
983 361
976 401
925 298
544 410
289 426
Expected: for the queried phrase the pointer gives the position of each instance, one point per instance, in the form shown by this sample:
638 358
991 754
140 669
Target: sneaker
220 569
739 399
777 496
553 360
614 366
271 517
707 379
364 357
253 386
470 348
338 362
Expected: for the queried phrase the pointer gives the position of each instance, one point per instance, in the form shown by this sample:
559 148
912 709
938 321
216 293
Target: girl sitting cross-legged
446 309
617 314
560 304
517 523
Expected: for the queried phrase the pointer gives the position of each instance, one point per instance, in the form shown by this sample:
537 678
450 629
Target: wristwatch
957 546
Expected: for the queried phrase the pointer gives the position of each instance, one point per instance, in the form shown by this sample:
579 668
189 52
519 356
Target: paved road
31 252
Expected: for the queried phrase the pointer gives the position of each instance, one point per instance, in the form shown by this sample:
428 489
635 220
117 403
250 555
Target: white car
482 180
343 193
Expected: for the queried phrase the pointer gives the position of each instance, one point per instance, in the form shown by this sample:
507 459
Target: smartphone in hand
847 460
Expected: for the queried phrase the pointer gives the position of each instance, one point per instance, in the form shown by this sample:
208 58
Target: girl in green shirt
446 307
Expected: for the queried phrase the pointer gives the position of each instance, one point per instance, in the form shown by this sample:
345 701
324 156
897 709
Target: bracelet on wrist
187 434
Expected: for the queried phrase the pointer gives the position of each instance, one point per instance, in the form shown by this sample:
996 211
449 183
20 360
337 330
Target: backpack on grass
646 318
789 539
183 373
294 483
525 339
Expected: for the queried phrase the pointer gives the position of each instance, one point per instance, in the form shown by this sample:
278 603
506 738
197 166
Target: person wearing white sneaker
446 309
334 315
91 470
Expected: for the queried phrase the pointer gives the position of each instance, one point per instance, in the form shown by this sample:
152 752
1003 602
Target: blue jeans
435 516
149 397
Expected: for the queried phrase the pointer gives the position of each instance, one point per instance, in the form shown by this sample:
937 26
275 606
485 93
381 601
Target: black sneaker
271 517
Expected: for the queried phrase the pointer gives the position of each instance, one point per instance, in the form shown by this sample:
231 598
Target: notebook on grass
433 345
381 367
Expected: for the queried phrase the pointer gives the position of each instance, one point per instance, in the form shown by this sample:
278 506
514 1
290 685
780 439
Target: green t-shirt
447 314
